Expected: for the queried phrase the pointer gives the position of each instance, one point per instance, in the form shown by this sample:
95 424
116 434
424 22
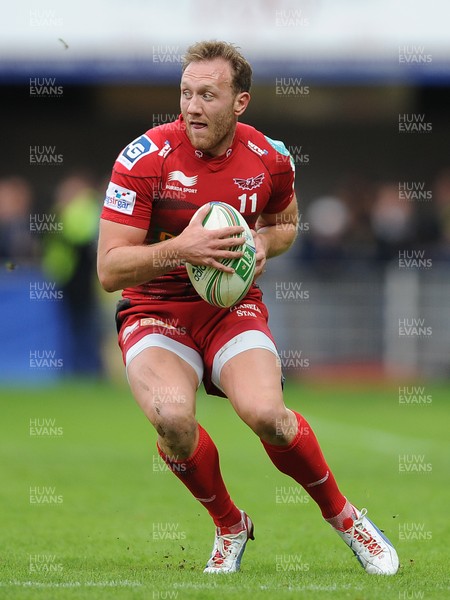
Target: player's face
209 105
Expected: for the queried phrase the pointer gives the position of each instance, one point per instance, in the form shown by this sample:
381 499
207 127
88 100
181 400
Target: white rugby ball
217 287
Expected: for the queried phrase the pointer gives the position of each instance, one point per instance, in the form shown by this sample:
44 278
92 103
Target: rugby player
172 340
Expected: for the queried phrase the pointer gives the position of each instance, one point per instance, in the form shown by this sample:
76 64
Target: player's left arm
275 233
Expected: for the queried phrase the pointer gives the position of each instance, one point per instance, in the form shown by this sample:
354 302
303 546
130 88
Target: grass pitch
88 510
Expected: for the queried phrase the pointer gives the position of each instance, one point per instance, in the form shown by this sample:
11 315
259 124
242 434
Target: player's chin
201 144
199 138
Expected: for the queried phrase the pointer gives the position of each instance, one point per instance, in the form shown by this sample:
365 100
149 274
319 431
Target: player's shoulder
273 153
144 156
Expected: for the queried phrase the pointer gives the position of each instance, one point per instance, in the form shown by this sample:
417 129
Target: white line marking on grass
276 588
70 584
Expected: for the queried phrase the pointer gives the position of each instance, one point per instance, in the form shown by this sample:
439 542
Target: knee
173 425
272 424
171 414
177 435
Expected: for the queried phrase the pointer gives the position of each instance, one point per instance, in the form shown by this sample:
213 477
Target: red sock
303 460
200 473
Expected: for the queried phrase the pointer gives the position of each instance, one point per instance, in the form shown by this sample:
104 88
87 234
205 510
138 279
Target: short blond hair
242 71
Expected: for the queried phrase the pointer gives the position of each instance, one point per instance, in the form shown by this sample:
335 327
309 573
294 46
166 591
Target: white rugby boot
372 549
229 547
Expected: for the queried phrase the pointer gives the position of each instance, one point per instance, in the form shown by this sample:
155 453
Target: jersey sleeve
133 185
283 178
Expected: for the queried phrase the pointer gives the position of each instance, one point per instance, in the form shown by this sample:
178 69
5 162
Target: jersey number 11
243 199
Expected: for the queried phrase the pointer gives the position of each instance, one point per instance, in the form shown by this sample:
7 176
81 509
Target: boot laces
360 534
225 548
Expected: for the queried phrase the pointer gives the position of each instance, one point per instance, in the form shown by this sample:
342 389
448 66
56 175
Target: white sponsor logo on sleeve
120 199
138 148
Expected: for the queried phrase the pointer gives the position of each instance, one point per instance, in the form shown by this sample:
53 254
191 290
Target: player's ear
241 102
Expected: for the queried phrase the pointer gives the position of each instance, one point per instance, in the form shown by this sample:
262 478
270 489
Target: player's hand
200 246
261 253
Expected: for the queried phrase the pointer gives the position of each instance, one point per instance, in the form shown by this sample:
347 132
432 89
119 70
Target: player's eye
208 96
186 94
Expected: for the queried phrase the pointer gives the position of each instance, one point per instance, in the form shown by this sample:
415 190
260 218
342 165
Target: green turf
121 526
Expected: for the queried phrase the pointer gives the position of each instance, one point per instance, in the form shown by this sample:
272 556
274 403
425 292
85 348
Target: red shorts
202 335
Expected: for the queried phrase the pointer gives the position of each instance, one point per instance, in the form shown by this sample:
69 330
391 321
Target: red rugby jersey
159 180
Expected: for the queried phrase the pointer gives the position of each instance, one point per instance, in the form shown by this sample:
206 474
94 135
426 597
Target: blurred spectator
322 238
69 260
441 202
339 226
357 194
328 220
17 244
393 222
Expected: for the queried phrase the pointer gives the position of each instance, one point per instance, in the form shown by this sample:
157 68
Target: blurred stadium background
360 93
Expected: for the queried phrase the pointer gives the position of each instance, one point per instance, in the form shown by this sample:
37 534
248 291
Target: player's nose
194 107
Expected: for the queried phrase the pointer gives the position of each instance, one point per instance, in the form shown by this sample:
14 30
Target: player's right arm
124 260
